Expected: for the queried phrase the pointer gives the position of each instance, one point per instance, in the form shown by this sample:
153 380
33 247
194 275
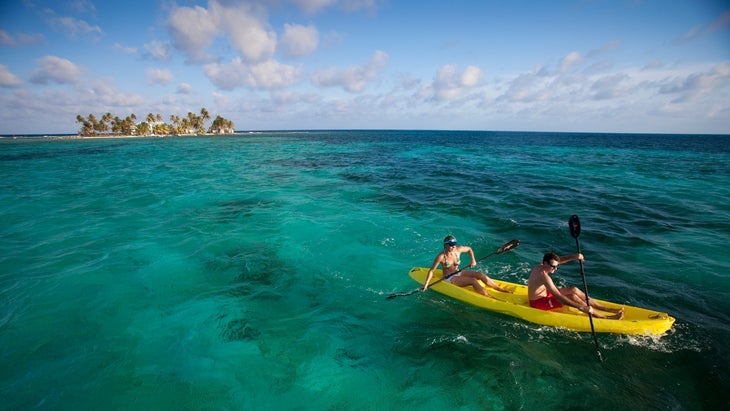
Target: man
544 295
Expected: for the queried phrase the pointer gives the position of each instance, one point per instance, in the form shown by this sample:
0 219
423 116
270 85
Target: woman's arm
436 262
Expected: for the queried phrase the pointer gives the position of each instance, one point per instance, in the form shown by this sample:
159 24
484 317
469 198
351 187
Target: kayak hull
636 321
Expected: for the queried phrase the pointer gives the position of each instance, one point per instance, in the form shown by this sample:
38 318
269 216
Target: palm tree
106 119
175 124
205 116
86 127
194 123
161 129
143 128
116 125
221 126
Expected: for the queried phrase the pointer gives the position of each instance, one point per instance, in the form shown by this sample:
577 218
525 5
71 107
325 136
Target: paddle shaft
575 232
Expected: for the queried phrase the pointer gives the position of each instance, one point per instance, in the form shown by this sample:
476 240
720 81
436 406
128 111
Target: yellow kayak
637 321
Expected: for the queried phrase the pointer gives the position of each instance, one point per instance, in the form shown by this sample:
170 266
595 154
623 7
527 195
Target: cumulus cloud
568 62
74 27
698 84
124 49
353 79
102 94
193 30
610 86
158 50
247 32
56 69
82 6
21 39
269 74
299 41
450 84
184 88
8 79
221 100
538 85
158 76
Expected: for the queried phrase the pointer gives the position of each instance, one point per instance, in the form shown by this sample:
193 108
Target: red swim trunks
547 303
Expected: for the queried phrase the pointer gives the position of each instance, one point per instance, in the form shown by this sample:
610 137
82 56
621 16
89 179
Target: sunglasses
554 266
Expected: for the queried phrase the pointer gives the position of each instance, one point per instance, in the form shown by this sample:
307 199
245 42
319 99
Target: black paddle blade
510 245
574 224
392 296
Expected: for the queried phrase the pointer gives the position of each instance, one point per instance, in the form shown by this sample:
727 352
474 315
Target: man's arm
571 257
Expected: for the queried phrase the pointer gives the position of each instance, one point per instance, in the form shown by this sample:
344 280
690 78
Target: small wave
678 338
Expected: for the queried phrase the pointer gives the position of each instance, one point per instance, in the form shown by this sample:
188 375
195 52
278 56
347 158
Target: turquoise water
251 272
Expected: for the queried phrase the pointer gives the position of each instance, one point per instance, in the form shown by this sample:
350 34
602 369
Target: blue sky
583 65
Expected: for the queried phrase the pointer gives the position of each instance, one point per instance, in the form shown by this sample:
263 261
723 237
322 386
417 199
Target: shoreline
77 137
253 132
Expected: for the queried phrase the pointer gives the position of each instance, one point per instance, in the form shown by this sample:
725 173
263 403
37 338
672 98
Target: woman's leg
467 278
485 279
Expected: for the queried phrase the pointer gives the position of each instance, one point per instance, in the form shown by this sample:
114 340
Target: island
152 126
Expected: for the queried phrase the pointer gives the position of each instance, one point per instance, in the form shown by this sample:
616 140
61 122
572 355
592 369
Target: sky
627 66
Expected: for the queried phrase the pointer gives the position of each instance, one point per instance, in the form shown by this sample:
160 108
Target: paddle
506 247
574 224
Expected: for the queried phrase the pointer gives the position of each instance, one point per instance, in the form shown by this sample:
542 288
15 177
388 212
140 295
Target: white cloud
262 76
8 79
193 30
246 31
221 100
610 86
353 79
74 27
568 62
158 76
184 88
21 39
450 84
83 6
125 50
698 84
299 41
103 96
56 69
158 50
471 76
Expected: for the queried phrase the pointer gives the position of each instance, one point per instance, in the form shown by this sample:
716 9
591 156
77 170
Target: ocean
250 272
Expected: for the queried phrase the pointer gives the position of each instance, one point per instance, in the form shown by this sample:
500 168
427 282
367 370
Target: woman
450 259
